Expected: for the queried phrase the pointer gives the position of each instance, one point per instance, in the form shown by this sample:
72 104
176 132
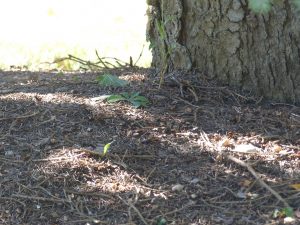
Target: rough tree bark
228 42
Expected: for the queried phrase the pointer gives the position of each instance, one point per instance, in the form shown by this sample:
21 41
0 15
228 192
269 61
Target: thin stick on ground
135 209
40 198
261 182
100 60
139 56
20 117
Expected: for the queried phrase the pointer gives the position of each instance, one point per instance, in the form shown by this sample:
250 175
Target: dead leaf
230 134
226 143
277 148
177 187
217 137
246 148
245 183
295 186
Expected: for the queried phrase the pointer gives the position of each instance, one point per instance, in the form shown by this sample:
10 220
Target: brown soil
170 161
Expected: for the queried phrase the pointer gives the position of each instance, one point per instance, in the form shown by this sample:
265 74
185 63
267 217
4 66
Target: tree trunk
228 42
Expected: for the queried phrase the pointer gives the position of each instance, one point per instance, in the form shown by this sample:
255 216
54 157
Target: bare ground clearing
169 161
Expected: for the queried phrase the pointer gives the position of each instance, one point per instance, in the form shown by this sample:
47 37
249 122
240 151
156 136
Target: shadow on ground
168 161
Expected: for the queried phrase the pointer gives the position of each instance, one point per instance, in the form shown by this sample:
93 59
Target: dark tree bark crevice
228 42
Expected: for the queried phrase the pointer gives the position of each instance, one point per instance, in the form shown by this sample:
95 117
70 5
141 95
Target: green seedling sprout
106 148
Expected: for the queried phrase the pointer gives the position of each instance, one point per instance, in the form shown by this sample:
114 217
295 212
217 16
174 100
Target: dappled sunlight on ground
169 160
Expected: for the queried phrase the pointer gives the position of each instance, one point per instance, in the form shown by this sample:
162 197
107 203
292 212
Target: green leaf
285 212
260 6
288 212
297 3
162 221
135 94
151 45
60 74
135 99
106 148
138 100
115 98
126 95
111 80
136 104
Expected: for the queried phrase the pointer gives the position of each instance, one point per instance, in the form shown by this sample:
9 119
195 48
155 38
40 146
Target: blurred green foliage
109 80
264 6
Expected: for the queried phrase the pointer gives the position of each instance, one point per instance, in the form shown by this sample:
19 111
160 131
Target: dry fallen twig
40 198
261 182
135 209
20 117
102 63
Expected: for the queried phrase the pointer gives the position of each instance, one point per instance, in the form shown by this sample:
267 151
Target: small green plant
264 6
162 221
76 78
106 148
62 64
109 80
260 6
285 212
134 98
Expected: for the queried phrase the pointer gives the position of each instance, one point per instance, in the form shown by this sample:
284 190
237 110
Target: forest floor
201 153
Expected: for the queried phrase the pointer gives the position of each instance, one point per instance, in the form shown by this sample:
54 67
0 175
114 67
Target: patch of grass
134 98
111 80
108 80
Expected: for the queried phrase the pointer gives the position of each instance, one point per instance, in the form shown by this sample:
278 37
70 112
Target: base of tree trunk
229 43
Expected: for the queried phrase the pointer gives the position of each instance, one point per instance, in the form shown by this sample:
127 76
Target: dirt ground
201 153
